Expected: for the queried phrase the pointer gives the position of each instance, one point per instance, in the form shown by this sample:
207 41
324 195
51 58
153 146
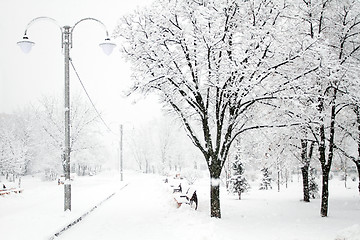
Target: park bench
177 188
177 184
189 198
11 190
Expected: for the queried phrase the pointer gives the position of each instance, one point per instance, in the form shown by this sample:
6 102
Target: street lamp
66 32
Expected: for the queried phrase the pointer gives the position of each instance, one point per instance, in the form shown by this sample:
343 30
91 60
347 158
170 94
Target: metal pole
66 45
67 184
121 153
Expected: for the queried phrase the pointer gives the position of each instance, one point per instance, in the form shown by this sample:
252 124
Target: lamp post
66 32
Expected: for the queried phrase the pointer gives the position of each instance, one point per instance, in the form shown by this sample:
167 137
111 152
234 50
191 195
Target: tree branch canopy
218 60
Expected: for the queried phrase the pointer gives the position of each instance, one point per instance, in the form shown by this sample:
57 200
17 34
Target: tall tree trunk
325 167
215 200
325 173
305 170
325 192
305 176
358 169
215 171
326 163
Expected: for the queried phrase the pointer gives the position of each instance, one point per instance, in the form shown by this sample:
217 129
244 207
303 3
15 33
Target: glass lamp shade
107 46
25 44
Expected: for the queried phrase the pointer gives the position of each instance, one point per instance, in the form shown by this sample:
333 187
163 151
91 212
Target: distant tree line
32 140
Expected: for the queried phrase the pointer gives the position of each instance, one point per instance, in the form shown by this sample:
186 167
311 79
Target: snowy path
146 210
38 213
139 211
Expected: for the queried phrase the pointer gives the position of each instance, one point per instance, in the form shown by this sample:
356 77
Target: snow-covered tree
313 186
238 182
330 30
212 62
16 144
163 143
266 179
31 140
51 124
278 153
141 144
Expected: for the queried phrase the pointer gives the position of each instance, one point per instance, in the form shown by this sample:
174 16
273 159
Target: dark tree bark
215 171
326 163
215 201
325 174
325 193
357 162
306 155
305 170
305 176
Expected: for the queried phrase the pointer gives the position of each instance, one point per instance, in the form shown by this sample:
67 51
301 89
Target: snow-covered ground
38 212
145 209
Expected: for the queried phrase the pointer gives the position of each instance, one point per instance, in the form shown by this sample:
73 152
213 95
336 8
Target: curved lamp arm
107 46
91 19
38 19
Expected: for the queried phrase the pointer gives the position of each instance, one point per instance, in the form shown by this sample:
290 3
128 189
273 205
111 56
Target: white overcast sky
26 78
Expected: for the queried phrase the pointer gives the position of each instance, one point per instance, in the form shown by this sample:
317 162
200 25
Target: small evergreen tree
238 182
313 186
266 180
